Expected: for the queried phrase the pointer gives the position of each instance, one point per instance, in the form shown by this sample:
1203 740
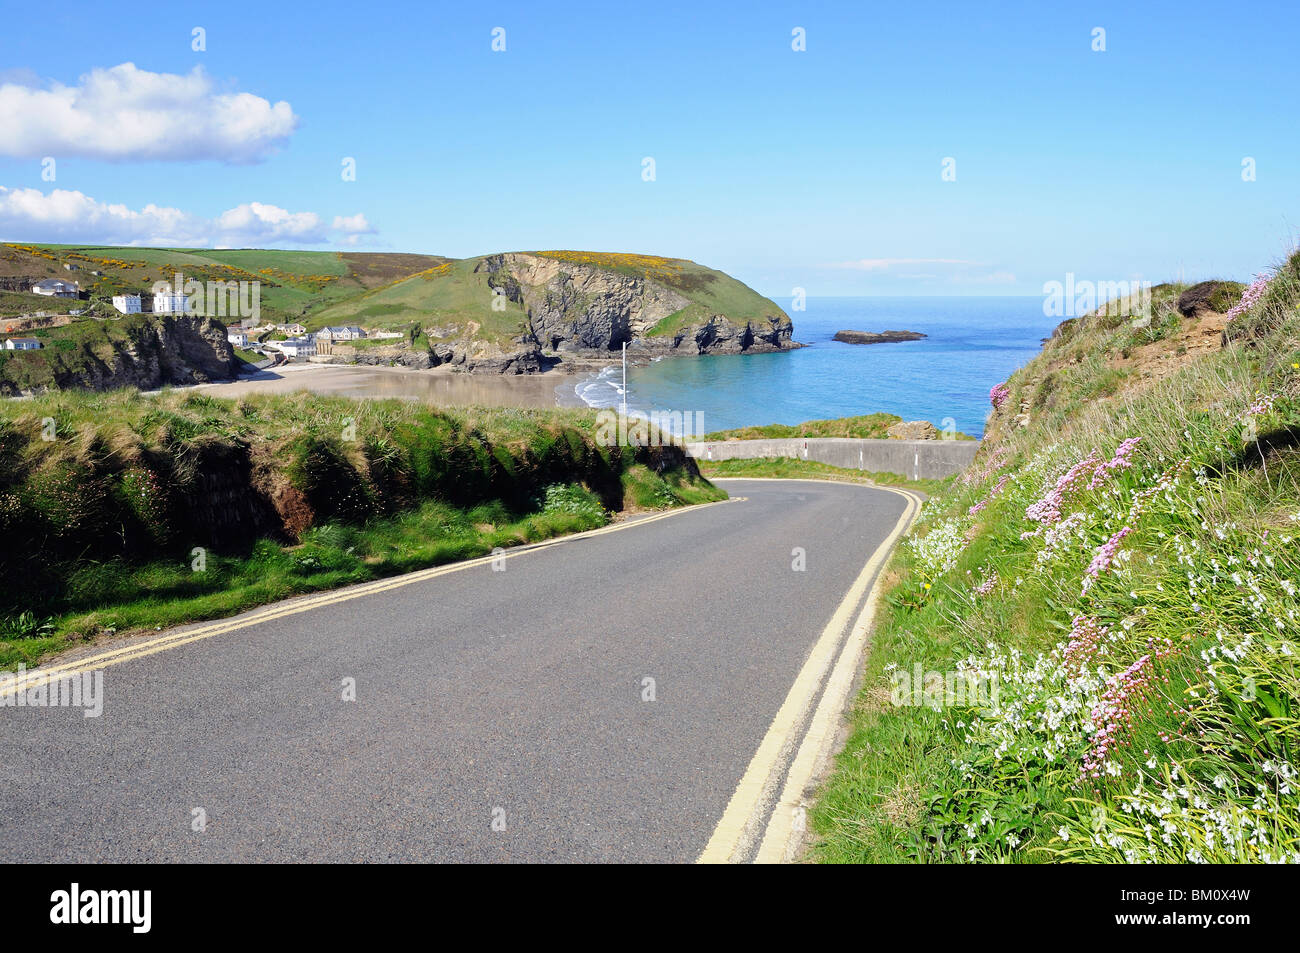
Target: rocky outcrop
580 309
877 337
394 355
143 351
572 306
718 335
467 355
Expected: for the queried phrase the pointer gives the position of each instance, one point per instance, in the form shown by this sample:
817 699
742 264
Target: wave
604 389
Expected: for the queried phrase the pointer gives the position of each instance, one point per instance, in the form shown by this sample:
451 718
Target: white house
56 288
237 338
127 304
298 347
168 303
22 344
350 333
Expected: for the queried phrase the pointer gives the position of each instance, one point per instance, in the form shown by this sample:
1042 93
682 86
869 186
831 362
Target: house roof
25 340
55 283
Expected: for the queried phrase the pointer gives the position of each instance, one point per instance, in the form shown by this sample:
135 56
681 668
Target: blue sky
818 169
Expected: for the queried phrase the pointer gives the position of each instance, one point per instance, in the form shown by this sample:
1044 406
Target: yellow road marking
747 799
17 683
783 835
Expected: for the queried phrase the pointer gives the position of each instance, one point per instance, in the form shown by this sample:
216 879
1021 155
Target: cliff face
142 351
573 307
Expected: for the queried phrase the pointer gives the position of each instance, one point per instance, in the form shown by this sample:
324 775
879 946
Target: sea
971 344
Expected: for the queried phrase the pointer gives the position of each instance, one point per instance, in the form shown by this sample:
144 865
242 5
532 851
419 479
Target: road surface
499 715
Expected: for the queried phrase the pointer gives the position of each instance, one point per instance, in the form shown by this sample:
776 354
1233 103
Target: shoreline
438 386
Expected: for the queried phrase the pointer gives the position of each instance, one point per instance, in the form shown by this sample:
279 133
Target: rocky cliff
522 312
577 307
141 351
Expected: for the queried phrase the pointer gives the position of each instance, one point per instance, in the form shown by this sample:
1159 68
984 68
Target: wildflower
1048 509
1250 297
1120 461
1262 405
992 493
1104 557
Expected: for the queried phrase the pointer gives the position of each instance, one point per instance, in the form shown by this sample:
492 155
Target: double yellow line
17 683
741 824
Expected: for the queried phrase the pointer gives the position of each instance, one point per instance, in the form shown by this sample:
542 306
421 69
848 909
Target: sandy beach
438 386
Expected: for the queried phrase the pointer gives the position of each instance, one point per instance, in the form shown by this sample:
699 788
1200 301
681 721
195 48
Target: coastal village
274 342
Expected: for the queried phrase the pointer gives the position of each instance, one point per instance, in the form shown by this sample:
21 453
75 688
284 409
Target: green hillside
384 290
294 284
459 292
448 294
1090 644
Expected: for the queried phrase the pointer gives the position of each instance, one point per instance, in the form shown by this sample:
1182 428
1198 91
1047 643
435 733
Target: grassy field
1088 645
450 295
125 511
294 284
15 303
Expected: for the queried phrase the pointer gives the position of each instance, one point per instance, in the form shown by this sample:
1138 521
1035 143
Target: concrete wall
917 459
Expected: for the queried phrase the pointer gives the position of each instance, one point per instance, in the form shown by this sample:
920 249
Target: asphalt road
499 715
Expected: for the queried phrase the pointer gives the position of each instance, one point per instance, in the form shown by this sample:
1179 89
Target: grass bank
1088 645
127 511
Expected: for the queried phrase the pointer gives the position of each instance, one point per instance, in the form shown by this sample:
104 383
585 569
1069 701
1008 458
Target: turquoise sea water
973 344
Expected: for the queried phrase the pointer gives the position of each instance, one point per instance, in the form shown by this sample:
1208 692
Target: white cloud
269 223
126 113
62 215
353 228
353 224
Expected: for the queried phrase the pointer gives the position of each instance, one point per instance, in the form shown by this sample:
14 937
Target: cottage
350 333
55 288
237 338
169 303
22 344
295 329
298 347
127 304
